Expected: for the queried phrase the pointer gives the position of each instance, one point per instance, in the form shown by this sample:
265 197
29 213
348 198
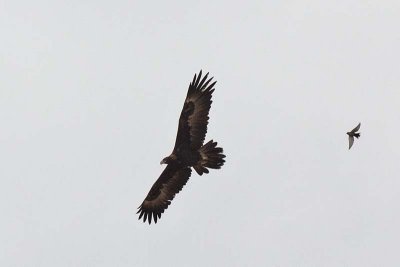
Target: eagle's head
170 159
166 160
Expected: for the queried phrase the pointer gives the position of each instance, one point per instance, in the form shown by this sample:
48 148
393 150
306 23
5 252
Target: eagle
189 151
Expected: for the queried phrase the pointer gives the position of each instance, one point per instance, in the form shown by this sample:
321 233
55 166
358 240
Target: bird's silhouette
353 133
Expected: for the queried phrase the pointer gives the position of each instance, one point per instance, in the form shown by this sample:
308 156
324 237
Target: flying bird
189 151
353 134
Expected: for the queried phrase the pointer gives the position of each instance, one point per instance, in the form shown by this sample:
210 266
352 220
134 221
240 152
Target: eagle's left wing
194 116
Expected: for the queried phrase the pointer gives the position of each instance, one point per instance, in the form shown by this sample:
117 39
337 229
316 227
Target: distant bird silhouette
189 151
353 134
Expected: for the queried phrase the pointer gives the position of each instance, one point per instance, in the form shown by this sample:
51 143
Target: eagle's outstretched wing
357 128
194 116
163 191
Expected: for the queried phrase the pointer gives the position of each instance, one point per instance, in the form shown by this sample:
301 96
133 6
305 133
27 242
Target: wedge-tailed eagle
188 152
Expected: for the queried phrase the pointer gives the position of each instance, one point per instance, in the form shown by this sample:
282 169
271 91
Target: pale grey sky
90 95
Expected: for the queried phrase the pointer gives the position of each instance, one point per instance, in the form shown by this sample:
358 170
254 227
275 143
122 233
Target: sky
90 96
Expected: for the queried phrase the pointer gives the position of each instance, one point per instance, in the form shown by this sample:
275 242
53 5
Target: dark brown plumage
188 151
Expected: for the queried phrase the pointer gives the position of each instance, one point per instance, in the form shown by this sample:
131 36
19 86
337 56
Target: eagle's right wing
163 191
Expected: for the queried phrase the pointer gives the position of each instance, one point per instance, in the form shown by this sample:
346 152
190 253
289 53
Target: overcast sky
90 96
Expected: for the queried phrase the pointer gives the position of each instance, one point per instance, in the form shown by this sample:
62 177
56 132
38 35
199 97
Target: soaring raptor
188 152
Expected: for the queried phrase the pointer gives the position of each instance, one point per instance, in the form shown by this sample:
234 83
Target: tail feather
357 135
211 157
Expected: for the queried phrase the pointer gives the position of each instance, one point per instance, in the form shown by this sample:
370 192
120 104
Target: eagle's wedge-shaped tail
211 157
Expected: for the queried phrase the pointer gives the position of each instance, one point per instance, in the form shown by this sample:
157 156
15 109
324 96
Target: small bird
353 134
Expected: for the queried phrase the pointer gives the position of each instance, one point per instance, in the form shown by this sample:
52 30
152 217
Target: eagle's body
188 151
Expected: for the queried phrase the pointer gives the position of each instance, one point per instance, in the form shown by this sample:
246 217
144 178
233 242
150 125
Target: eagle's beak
162 162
